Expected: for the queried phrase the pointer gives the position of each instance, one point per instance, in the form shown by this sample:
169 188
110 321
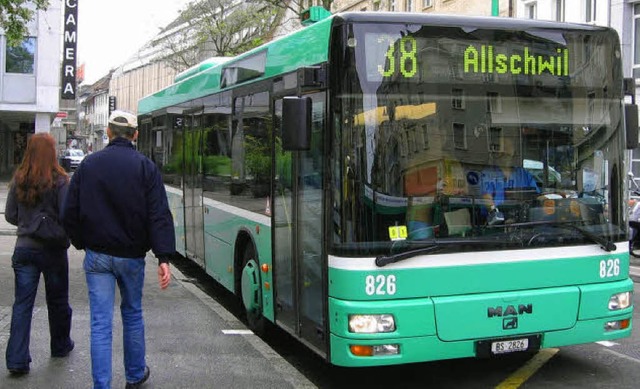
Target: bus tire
251 290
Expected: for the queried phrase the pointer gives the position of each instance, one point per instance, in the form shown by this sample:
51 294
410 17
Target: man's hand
164 275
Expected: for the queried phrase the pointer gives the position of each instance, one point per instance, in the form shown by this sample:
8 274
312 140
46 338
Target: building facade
93 113
611 13
476 7
30 84
146 72
142 74
621 15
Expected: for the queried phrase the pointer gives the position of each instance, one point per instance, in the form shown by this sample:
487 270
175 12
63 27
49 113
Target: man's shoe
132 385
66 352
18 372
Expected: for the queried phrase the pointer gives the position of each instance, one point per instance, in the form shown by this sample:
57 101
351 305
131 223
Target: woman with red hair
38 187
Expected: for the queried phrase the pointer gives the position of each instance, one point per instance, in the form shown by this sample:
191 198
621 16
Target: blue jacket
116 204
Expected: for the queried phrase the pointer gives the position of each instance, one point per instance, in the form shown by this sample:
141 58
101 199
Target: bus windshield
483 138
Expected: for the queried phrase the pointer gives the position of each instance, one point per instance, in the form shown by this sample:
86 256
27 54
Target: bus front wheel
251 291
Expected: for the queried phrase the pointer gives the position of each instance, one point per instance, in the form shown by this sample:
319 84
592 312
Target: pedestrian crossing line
607 343
528 369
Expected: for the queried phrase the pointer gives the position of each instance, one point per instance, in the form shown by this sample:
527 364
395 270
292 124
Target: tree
298 6
295 7
209 28
15 16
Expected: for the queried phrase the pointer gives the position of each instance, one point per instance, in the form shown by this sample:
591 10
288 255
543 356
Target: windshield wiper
605 244
429 246
383 260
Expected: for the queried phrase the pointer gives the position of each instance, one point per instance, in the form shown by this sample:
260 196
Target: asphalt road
595 365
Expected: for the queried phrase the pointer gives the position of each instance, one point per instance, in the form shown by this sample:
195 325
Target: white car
71 159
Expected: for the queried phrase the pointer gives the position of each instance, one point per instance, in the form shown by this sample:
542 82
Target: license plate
509 346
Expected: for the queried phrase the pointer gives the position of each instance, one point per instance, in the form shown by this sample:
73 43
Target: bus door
193 202
297 219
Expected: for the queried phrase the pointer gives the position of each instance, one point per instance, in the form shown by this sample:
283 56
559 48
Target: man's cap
123 118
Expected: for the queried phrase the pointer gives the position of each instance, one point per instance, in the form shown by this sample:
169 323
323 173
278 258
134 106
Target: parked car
71 159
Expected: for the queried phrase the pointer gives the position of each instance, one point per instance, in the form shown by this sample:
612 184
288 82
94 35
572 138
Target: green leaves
220 28
15 16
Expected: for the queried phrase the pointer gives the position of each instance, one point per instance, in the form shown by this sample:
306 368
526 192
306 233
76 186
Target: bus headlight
620 301
371 324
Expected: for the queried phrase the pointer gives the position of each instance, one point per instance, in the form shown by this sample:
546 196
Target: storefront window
21 58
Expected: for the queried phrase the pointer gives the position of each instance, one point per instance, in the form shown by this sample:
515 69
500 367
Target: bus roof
206 64
304 47
475 22
310 46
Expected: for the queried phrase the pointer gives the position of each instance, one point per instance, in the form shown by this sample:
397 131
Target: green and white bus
393 188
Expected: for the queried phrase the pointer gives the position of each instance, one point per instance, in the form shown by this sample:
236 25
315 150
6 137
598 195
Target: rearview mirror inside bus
296 123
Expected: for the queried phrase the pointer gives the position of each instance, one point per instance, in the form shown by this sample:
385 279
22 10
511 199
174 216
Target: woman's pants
28 264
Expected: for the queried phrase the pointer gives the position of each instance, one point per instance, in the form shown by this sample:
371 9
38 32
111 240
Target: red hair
39 169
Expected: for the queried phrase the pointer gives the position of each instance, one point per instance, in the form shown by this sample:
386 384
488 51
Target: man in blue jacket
116 210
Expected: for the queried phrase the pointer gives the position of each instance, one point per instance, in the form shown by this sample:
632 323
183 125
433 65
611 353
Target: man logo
510 323
510 310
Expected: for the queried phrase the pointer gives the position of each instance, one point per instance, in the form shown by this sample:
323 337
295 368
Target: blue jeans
102 272
28 264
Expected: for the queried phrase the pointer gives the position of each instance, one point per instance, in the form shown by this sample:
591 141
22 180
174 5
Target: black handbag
44 225
48 230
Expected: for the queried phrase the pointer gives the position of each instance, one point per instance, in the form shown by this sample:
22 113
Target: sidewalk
186 346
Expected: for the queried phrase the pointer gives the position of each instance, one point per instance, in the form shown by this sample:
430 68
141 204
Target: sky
109 32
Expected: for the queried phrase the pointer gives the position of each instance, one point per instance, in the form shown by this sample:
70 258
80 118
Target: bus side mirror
631 125
296 123
630 113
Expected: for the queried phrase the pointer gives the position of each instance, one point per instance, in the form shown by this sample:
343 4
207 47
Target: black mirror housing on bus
631 125
296 123
631 114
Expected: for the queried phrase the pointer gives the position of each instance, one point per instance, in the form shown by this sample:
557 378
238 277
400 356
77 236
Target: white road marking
628 358
237 332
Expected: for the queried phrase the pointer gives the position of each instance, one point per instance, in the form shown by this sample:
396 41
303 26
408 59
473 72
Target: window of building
392 5
591 107
459 136
427 3
411 140
424 132
531 10
636 41
404 144
409 6
494 102
457 98
590 11
495 139
560 10
21 58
